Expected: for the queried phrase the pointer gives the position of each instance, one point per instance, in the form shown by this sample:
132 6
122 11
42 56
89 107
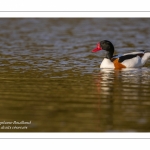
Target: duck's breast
107 63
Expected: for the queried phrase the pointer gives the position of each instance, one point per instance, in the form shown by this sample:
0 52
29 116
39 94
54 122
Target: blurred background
49 76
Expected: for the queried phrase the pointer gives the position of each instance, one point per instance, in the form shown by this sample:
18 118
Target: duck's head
105 45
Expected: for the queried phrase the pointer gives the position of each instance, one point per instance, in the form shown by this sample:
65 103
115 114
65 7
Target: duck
128 60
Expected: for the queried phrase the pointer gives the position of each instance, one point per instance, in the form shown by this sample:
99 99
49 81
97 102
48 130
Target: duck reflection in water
121 96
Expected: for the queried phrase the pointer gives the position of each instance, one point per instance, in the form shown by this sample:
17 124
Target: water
51 80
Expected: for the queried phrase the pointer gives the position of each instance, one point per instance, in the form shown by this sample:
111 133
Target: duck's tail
145 57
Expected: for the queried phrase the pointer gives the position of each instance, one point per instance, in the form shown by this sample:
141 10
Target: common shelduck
128 60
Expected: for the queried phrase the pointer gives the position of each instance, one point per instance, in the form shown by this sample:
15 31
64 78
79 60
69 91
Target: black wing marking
122 58
142 50
115 55
125 57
